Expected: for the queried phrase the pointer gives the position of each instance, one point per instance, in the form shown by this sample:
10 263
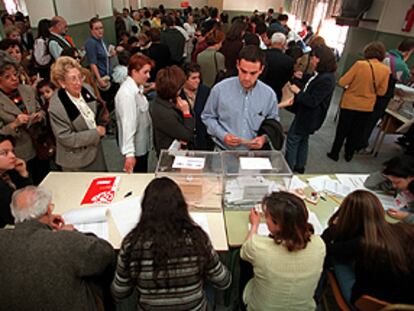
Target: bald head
29 203
58 25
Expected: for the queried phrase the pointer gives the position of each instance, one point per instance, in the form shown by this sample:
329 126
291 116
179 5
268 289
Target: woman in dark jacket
171 115
310 107
13 175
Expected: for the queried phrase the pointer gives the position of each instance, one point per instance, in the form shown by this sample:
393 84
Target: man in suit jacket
45 264
279 68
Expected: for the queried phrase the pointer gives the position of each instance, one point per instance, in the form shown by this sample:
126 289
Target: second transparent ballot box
250 175
197 173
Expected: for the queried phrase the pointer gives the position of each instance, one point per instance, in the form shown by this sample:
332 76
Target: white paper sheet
202 221
334 187
387 201
85 215
126 214
255 163
297 183
189 162
100 229
318 182
352 181
262 229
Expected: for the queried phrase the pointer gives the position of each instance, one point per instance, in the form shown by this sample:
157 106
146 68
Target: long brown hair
361 214
290 214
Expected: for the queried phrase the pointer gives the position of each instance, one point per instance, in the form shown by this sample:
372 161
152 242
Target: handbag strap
373 76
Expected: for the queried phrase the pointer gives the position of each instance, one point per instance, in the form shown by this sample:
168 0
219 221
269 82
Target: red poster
101 190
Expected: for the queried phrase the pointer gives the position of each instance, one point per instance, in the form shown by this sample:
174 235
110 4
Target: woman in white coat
132 114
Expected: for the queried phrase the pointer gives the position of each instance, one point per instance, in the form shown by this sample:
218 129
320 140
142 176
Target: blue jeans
297 146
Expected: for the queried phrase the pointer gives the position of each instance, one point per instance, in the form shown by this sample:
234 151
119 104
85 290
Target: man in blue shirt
98 55
237 106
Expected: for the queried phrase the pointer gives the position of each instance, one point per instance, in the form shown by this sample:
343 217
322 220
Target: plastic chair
369 303
340 301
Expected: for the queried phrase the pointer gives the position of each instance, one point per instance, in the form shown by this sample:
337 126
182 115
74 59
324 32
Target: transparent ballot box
197 173
250 175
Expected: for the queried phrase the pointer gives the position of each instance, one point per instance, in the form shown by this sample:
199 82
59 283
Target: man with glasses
46 264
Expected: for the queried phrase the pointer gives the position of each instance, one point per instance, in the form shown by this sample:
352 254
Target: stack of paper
126 214
91 219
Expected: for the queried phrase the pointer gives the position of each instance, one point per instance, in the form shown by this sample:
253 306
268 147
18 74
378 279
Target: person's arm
209 116
349 76
123 285
216 273
92 56
317 92
127 114
54 49
65 135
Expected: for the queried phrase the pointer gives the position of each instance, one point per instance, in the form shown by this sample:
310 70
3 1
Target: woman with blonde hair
76 119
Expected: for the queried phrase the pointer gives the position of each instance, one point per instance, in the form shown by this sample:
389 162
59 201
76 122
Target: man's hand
21 119
129 164
231 140
20 167
257 143
102 83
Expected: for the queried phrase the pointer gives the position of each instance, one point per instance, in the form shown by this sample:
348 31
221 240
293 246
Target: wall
173 4
251 5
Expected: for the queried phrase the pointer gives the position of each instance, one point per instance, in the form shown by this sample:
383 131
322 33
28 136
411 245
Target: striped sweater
184 289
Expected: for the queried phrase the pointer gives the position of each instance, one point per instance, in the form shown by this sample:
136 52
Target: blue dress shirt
232 110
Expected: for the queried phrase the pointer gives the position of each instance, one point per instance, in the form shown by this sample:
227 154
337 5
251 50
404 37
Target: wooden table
68 190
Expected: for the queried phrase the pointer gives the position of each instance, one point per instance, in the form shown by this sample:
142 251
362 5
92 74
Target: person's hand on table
397 214
254 217
232 140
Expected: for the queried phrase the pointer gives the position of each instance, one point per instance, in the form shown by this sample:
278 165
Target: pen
129 193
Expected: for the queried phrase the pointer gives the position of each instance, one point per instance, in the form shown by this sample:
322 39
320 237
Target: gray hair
278 38
34 204
6 62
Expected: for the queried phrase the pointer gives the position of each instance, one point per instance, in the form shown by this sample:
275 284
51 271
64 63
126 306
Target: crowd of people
192 78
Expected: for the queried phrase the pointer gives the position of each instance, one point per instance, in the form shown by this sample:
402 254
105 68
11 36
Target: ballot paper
254 163
336 188
126 214
297 183
387 201
353 181
313 219
189 162
90 219
318 182
202 221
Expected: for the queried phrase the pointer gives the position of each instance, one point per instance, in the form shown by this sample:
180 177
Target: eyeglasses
74 79
4 152
9 75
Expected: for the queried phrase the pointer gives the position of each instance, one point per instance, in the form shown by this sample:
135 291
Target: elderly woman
363 82
13 175
20 115
171 115
75 116
132 114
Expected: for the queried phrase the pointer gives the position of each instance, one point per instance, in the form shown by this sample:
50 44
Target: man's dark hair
271 11
169 21
214 12
252 53
190 68
251 39
282 17
93 21
327 59
406 45
261 28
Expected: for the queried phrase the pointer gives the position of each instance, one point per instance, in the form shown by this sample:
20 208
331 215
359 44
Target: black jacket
6 193
175 42
279 70
311 105
169 124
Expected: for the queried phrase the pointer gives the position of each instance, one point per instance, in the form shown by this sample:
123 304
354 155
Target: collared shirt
85 111
54 47
97 54
232 110
133 119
